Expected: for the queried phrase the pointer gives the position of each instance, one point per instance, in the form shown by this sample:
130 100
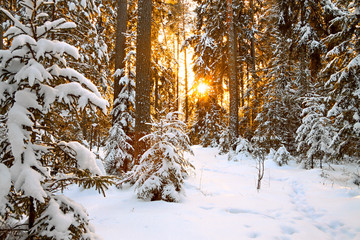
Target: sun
202 88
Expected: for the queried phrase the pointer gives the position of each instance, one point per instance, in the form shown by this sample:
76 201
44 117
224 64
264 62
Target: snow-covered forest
179 119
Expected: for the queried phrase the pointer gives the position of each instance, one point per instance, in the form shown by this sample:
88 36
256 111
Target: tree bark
186 69
32 216
186 89
253 64
143 74
156 96
120 45
233 82
1 32
177 71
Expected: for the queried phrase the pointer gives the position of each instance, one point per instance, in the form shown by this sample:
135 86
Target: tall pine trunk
120 45
233 83
186 68
254 77
186 88
143 74
1 32
177 71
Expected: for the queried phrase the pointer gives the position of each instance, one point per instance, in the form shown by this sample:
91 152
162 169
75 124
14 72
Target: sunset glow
202 88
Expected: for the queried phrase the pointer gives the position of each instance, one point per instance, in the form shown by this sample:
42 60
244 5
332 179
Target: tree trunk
143 74
156 101
253 64
32 217
303 58
1 31
120 45
233 83
242 88
177 71
186 69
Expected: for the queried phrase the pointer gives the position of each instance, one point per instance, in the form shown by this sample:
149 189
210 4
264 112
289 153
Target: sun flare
202 88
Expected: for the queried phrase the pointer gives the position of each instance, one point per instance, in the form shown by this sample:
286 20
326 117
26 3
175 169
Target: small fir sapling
163 167
243 150
224 142
119 152
282 156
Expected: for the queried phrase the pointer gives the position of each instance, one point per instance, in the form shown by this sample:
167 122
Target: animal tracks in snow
334 228
299 200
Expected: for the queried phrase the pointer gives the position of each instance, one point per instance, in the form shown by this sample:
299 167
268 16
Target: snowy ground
222 203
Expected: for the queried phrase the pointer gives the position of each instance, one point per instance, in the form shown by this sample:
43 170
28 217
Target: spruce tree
163 167
315 134
119 152
342 72
35 82
280 113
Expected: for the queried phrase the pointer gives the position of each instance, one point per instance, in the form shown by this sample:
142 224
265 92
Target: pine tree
35 82
163 167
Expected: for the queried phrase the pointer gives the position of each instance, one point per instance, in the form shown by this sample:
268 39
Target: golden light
202 88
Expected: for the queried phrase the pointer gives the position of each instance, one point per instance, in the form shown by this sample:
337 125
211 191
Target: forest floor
222 203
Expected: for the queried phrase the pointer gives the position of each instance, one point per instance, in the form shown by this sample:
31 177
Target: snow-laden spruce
315 134
282 156
243 150
343 69
119 152
163 167
35 165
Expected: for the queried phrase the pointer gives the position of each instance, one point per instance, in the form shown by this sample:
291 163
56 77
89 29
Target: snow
222 203
57 218
65 92
72 6
84 157
70 73
45 46
22 40
357 127
354 62
32 71
83 3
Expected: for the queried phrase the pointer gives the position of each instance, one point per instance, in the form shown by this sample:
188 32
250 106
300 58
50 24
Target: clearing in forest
222 203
